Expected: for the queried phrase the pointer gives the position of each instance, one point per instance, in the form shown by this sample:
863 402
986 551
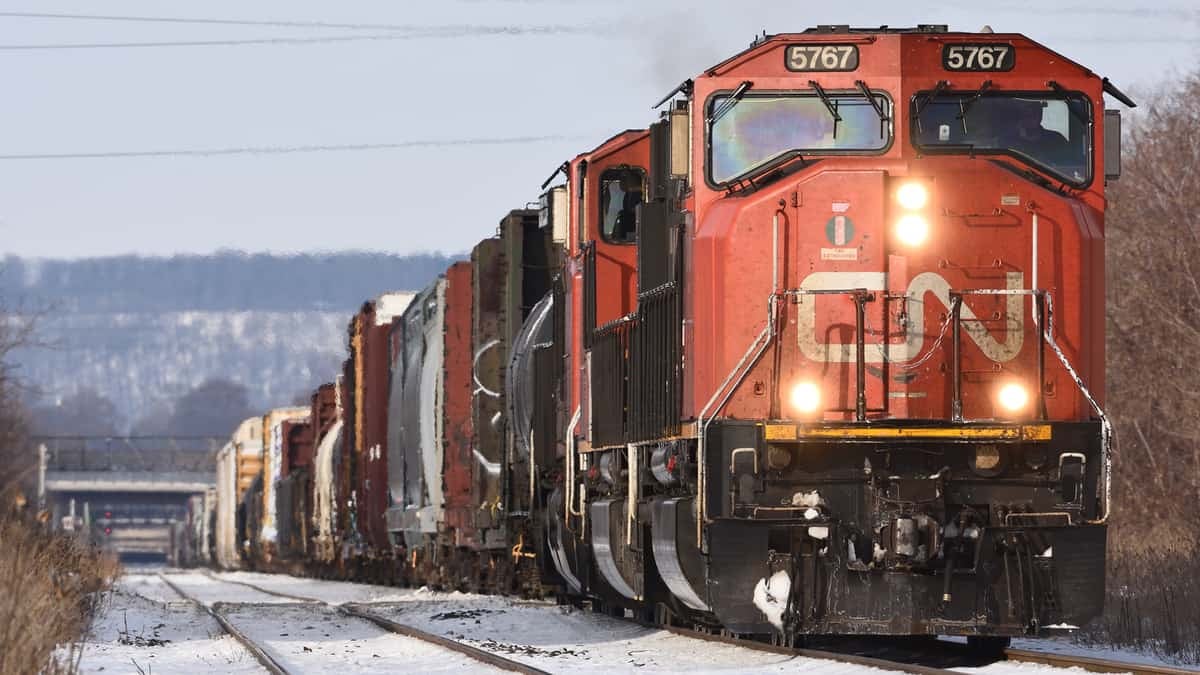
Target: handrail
1044 308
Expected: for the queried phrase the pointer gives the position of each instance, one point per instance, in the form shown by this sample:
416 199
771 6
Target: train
819 351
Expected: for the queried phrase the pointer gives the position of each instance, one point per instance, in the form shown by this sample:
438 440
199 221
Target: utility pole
41 485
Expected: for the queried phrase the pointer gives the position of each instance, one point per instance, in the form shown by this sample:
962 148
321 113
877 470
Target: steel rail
257 652
1091 664
483 656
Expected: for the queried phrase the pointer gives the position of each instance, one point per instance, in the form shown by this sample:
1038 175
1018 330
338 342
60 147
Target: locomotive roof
613 143
766 42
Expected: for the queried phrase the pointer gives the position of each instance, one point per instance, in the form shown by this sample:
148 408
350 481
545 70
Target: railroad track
1091 664
927 661
359 612
215 611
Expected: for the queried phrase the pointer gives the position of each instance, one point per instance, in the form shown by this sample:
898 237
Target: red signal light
108 530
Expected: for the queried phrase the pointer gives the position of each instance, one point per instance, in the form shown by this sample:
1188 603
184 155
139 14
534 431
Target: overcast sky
416 74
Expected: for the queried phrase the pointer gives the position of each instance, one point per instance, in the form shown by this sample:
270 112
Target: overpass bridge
131 494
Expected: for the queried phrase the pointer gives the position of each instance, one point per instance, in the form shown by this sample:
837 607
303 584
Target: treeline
212 408
1153 264
227 280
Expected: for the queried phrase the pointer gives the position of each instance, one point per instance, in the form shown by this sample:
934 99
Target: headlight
912 230
912 196
1013 397
806 398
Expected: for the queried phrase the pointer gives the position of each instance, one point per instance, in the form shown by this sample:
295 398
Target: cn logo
923 286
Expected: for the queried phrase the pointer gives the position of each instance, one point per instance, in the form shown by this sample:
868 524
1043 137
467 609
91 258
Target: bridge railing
158 454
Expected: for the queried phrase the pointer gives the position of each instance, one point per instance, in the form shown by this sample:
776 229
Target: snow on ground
1064 646
563 639
149 586
1020 668
135 634
332 592
317 639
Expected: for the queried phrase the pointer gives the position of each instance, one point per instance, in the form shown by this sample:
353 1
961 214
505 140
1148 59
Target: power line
434 32
293 149
220 22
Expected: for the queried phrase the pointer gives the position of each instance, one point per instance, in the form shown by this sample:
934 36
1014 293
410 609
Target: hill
144 331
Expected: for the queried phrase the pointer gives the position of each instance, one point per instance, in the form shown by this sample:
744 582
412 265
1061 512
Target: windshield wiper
938 89
866 92
1059 89
966 105
828 104
728 104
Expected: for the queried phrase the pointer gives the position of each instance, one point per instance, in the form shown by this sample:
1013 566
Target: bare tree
17 463
1153 264
212 408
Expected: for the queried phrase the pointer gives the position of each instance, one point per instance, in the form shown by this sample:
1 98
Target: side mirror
1112 144
552 213
681 140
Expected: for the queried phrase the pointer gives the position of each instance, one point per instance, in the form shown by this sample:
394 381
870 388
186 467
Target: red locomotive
820 351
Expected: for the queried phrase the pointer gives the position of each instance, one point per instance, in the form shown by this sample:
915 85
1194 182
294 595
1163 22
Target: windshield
761 128
1050 131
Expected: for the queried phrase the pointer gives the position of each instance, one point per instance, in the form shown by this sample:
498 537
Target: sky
455 111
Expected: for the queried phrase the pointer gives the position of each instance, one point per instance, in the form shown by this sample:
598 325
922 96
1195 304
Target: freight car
238 463
274 439
819 351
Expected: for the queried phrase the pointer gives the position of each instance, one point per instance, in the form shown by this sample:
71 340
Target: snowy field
146 627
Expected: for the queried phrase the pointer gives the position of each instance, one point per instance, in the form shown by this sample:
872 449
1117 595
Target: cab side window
621 190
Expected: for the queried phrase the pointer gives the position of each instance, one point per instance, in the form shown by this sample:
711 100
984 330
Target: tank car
326 537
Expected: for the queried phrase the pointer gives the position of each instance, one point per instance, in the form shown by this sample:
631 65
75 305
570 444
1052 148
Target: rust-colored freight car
293 504
370 355
458 462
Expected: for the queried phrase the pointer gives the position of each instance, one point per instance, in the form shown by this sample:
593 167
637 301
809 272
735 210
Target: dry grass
49 587
1152 605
